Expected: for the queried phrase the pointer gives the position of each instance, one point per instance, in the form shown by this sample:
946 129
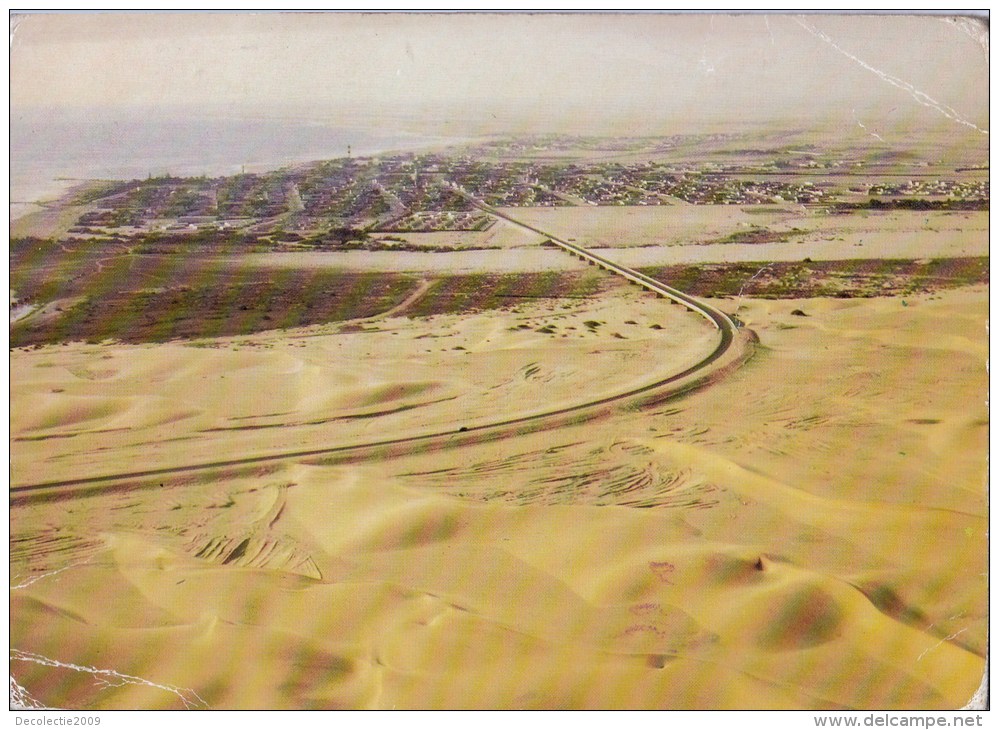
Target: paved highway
729 352
719 319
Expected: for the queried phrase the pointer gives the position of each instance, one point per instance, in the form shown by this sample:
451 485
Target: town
356 199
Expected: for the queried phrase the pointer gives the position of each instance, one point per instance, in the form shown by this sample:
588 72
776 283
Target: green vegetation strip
842 279
156 298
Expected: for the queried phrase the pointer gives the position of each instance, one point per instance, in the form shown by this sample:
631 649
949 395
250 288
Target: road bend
730 351
718 318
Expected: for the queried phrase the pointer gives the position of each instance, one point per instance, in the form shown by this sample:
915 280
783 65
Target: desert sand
270 449
807 532
681 234
696 233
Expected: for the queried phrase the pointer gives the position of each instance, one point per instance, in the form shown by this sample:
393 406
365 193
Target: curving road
725 356
717 317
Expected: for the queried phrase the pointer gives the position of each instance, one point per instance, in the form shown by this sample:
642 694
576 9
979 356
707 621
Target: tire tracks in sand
733 348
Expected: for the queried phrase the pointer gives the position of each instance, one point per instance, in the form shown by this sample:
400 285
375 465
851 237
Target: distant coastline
50 158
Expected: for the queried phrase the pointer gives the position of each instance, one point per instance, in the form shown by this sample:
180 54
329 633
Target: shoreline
51 191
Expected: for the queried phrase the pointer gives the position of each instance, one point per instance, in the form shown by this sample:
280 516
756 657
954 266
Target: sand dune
815 540
175 403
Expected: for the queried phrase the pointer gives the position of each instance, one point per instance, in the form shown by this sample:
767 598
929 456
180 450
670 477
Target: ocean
49 154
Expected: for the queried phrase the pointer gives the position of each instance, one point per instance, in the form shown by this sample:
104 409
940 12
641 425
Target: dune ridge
718 567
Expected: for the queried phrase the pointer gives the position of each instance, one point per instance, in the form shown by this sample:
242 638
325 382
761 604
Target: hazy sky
633 72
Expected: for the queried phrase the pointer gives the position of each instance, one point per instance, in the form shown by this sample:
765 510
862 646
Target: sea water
51 153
